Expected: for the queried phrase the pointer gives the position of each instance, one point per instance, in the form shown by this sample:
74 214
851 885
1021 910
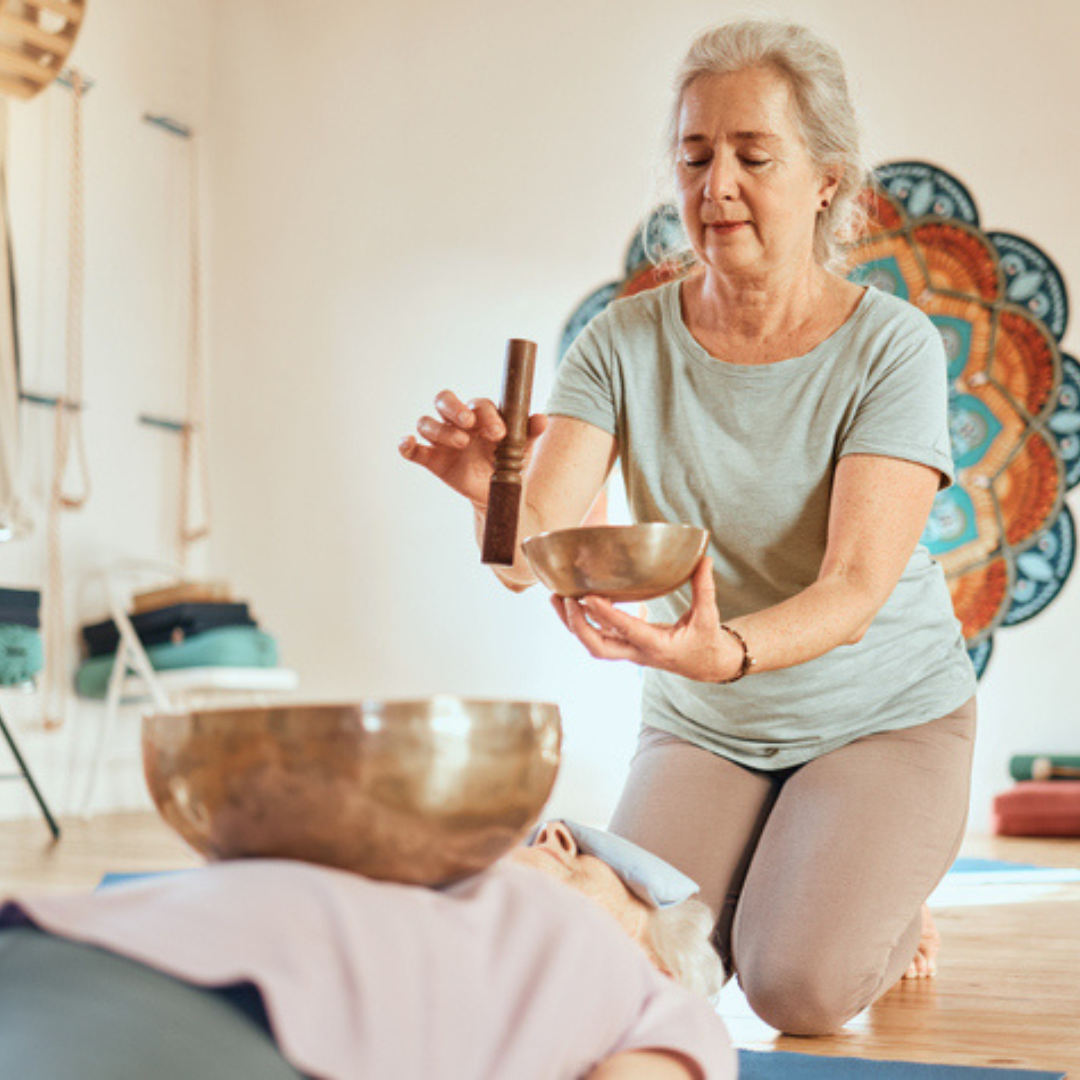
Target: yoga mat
121 878
781 1065
995 872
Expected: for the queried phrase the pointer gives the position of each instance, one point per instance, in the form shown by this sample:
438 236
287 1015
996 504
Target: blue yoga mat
967 871
780 1065
121 878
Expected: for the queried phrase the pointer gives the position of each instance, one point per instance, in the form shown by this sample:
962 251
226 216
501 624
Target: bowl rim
354 703
582 530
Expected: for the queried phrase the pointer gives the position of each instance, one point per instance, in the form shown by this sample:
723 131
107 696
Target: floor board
1007 992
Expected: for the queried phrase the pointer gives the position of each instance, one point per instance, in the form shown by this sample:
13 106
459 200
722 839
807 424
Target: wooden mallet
504 492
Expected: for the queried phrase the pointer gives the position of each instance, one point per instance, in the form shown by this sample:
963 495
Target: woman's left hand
694 647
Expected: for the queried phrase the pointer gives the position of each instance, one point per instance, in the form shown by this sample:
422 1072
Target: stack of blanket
1044 801
196 633
21 654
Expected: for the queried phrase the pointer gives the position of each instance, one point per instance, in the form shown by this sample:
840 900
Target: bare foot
924 965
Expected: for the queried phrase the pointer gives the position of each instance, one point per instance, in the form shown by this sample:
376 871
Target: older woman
276 970
808 700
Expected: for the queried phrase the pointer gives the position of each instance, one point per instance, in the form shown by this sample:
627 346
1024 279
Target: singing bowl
422 792
619 562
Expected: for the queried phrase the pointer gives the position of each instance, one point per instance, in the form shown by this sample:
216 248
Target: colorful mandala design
1002 532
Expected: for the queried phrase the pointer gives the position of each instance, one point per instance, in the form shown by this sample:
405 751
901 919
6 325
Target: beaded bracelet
747 659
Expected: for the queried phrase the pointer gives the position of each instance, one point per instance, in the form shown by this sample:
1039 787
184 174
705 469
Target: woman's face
748 191
554 852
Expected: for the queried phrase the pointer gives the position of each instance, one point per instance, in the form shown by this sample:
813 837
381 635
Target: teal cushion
21 654
229 646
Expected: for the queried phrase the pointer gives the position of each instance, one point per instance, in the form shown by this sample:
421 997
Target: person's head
740 83
677 938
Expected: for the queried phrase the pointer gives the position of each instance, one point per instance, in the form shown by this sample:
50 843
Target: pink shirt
505 976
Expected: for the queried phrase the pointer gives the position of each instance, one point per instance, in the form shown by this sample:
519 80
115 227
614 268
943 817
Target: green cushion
21 654
229 646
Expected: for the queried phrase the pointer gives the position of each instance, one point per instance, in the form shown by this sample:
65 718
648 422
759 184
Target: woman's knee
808 997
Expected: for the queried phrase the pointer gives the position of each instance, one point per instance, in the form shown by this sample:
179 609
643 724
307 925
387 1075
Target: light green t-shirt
748 452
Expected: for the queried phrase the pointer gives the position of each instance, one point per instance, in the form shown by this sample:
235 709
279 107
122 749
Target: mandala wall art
1002 533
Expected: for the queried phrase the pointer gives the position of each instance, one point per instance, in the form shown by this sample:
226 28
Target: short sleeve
586 382
904 410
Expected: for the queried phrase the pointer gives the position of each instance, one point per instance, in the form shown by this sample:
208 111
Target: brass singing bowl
422 792
619 562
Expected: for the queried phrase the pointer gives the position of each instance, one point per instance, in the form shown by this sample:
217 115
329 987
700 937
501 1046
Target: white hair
824 111
680 940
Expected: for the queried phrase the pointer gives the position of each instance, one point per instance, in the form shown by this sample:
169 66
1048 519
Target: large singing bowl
422 792
619 562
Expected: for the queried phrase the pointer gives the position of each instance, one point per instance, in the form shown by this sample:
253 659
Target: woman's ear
829 184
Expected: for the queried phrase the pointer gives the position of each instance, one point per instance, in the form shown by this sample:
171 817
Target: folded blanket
232 646
165 625
20 607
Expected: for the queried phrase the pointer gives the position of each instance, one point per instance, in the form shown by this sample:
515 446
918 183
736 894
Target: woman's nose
720 183
554 834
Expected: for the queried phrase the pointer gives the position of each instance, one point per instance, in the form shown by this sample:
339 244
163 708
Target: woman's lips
724 227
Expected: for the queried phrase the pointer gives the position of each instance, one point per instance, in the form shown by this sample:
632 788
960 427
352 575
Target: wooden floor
1007 993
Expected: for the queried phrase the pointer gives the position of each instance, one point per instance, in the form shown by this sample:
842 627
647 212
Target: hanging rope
15 521
194 458
67 432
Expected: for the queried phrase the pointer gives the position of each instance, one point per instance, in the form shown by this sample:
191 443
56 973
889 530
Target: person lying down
563 960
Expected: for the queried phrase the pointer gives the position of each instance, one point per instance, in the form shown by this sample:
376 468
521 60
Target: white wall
141 58
401 187
397 188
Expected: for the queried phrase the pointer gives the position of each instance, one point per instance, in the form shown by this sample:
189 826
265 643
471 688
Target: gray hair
824 112
680 940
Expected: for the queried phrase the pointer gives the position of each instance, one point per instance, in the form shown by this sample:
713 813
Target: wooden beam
58 44
17 87
73 10
20 64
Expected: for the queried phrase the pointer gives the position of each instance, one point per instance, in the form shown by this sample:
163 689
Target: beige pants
817 874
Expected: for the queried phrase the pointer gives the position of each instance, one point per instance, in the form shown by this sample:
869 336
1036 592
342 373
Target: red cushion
1039 808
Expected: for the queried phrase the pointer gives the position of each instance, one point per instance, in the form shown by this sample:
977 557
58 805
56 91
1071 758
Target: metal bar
50 401
174 127
74 12
29 778
179 426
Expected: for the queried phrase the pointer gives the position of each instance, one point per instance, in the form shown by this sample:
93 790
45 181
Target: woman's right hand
461 444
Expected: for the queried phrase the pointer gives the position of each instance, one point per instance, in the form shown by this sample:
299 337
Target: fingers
703 593
408 448
702 583
457 424
609 619
538 423
489 423
419 454
559 604
451 408
600 644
